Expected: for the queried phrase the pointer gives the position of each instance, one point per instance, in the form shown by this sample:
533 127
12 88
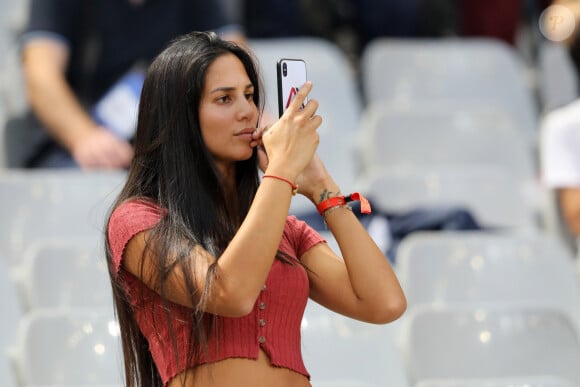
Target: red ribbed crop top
273 324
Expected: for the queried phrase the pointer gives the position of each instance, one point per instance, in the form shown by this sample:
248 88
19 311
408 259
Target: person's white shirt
560 156
560 147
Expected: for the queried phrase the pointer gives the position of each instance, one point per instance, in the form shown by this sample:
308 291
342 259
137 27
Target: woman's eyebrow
230 88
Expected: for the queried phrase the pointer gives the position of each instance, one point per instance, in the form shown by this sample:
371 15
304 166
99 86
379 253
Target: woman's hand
287 147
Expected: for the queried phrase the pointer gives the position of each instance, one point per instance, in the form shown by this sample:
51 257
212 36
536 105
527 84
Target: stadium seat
492 195
74 347
478 71
488 269
478 343
39 204
531 381
350 353
438 134
66 273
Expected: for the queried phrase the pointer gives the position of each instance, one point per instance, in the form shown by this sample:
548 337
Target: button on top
264 288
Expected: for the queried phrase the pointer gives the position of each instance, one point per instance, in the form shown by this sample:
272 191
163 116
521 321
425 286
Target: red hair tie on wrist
294 186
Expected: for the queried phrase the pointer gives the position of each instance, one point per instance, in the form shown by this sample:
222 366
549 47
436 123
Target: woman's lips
246 133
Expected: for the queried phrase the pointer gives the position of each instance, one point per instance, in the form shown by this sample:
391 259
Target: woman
210 275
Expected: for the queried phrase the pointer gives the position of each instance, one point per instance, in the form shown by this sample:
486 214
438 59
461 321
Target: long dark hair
173 168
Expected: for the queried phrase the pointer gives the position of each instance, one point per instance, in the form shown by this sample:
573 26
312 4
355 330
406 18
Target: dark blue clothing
107 37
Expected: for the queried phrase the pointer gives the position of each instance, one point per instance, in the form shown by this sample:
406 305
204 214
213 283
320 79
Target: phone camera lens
284 69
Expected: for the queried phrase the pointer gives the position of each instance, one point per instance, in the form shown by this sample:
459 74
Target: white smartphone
291 75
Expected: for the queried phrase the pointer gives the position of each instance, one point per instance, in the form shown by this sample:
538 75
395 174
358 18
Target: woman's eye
249 96
224 99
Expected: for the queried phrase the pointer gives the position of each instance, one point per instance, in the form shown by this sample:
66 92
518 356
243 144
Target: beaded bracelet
331 209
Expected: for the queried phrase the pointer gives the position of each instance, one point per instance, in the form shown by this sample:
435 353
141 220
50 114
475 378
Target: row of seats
473 283
475 311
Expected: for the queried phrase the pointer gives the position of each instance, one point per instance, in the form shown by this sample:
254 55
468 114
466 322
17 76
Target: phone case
291 75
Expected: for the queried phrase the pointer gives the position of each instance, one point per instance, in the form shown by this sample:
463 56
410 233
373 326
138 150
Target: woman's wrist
282 172
323 190
342 201
322 194
293 186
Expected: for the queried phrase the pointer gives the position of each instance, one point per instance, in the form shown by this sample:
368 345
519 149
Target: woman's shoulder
136 213
128 219
137 206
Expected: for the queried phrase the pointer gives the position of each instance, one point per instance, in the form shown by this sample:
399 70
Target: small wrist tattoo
326 194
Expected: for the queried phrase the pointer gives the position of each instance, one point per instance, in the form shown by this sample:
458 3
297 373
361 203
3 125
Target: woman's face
227 113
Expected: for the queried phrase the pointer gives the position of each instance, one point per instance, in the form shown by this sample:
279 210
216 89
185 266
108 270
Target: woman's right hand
291 142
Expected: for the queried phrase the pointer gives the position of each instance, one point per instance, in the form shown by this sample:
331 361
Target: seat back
486 269
74 347
40 204
439 134
350 353
478 343
67 273
493 196
481 71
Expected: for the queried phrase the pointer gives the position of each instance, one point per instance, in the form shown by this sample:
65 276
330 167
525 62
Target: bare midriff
236 372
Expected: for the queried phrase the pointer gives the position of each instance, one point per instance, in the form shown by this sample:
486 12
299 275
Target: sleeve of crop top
126 221
304 237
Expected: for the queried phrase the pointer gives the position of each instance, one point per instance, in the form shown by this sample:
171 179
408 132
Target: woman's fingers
310 108
262 158
298 101
257 136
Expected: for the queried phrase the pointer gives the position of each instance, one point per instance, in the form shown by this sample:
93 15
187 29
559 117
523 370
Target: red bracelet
294 186
329 203
336 201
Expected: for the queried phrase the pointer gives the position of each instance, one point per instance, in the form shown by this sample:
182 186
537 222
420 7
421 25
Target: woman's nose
247 109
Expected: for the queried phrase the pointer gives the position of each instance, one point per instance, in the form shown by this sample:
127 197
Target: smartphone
291 75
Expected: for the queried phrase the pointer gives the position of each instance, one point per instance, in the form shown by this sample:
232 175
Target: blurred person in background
560 163
571 41
560 139
497 19
79 53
